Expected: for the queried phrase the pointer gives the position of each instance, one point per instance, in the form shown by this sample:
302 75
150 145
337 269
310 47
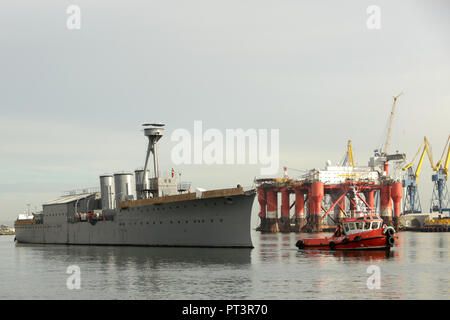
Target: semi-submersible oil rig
320 197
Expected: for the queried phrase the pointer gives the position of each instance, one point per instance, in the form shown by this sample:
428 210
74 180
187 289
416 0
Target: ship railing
184 186
81 191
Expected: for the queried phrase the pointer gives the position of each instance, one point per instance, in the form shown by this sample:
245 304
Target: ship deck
185 197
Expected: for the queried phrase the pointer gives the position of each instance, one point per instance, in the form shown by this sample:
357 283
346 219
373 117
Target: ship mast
154 132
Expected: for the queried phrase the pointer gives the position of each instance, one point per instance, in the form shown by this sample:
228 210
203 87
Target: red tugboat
360 233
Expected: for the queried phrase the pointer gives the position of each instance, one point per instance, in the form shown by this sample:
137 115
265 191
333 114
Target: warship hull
222 221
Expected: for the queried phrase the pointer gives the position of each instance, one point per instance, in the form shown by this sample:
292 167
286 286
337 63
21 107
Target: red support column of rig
272 211
262 204
316 194
386 168
396 195
299 210
285 208
385 204
370 198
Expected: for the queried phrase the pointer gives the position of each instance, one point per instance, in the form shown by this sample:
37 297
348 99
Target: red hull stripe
342 243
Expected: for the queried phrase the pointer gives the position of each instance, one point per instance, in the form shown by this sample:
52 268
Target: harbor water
416 268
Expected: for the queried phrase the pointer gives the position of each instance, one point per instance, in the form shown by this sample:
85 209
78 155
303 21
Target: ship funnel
107 189
154 132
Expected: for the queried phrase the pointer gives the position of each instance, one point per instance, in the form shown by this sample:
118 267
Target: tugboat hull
368 239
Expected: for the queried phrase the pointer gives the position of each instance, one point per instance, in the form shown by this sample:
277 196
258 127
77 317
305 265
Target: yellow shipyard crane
410 183
440 199
445 162
350 153
426 150
348 158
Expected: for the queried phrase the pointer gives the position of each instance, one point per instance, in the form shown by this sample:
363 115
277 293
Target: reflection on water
416 268
371 255
139 272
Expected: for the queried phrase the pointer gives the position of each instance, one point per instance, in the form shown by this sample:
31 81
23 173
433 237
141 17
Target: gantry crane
411 203
439 198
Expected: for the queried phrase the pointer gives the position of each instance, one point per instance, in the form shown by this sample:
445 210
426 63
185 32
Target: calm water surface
416 268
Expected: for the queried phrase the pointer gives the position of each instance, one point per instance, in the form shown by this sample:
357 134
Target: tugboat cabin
361 224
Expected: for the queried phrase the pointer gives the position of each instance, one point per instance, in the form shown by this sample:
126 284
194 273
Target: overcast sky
73 101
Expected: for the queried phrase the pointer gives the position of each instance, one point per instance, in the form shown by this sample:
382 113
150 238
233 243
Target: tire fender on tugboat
390 241
389 231
300 244
332 245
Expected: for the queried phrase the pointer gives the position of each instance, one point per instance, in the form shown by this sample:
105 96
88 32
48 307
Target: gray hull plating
213 222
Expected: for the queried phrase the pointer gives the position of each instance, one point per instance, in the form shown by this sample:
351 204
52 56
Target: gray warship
139 210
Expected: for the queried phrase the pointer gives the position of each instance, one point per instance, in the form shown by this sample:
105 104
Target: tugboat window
367 225
351 226
345 227
359 225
